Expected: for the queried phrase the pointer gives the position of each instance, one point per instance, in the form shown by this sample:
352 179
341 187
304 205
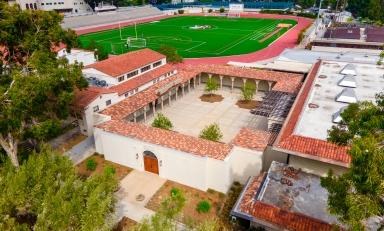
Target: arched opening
151 164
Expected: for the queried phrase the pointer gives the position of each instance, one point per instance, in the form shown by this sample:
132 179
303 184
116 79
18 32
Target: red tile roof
279 217
84 97
122 64
247 138
286 82
170 139
138 101
310 147
142 79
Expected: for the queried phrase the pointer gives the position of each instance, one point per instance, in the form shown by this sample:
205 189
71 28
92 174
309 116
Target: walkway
82 150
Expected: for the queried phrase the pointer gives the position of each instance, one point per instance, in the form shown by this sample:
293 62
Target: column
189 85
209 75
232 82
162 103
199 78
182 89
257 85
176 92
270 85
169 97
244 81
154 107
145 113
221 82
134 117
194 82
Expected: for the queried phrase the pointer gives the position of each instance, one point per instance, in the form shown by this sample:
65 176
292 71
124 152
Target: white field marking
263 32
195 46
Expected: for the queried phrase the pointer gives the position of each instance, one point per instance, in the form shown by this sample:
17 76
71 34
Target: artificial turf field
227 36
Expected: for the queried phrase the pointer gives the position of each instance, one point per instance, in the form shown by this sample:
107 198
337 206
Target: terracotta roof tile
121 64
84 97
170 139
276 216
247 138
286 82
314 148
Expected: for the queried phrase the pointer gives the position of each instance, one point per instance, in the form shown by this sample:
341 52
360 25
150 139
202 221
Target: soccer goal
136 42
234 10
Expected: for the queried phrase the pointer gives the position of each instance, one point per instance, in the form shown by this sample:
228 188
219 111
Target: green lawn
227 36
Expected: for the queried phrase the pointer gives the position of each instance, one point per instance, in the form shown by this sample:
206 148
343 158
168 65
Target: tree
36 88
248 91
171 54
162 122
211 86
358 194
46 193
211 132
374 10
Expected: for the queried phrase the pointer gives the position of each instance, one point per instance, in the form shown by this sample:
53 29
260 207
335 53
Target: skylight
348 81
347 95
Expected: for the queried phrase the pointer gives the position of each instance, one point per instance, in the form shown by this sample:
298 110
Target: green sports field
225 36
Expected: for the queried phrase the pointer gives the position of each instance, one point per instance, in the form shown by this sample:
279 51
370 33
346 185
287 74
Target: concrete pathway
82 150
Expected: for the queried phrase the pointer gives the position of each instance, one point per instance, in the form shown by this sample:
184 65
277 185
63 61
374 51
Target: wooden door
151 164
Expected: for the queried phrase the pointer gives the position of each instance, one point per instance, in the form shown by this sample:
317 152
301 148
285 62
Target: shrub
162 122
171 54
248 91
175 192
91 164
109 170
210 10
180 11
222 10
211 86
203 206
211 132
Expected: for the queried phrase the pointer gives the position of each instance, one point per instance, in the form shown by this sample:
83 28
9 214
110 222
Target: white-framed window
126 94
146 68
136 90
108 102
157 64
131 74
96 108
121 78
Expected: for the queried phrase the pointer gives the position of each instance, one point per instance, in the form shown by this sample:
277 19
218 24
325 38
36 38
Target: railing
249 5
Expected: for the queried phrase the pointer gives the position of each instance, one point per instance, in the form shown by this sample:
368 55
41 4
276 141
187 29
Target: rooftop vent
349 69
313 105
322 76
336 117
348 81
347 95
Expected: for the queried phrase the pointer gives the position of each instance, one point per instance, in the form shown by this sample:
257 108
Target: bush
203 206
180 11
211 85
175 192
171 54
162 122
248 91
222 10
91 164
210 10
109 170
211 132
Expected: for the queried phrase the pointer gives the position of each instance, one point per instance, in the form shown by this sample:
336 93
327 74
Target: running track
288 40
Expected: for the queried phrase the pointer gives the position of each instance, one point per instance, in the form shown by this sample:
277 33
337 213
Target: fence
216 4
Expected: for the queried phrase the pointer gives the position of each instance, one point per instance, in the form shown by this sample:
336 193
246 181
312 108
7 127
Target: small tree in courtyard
211 132
211 86
248 91
222 10
162 122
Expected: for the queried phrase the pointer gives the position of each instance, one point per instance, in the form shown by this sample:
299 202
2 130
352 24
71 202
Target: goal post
133 42
235 9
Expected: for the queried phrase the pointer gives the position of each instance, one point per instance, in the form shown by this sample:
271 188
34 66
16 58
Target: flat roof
320 106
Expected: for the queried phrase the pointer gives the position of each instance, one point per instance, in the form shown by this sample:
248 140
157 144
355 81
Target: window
35 5
157 64
133 73
136 90
108 102
146 68
31 6
27 6
42 3
96 108
126 94
121 78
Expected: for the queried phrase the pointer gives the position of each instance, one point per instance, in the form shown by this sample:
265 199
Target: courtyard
189 115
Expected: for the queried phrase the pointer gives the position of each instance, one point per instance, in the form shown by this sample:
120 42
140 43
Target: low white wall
197 172
245 163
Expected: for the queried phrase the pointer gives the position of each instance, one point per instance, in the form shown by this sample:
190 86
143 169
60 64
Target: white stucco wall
245 163
92 72
314 166
195 171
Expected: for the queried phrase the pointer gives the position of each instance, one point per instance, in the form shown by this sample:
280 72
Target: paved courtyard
189 115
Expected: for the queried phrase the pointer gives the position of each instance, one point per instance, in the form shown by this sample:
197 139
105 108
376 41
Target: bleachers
217 4
120 15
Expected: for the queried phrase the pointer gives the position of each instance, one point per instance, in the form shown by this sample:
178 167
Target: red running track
288 40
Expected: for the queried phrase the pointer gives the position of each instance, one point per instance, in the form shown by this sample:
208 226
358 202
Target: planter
211 98
248 104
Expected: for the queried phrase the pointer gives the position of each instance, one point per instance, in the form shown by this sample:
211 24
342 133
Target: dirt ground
248 104
193 197
121 171
211 98
124 224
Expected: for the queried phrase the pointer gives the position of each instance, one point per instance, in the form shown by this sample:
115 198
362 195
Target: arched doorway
151 163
